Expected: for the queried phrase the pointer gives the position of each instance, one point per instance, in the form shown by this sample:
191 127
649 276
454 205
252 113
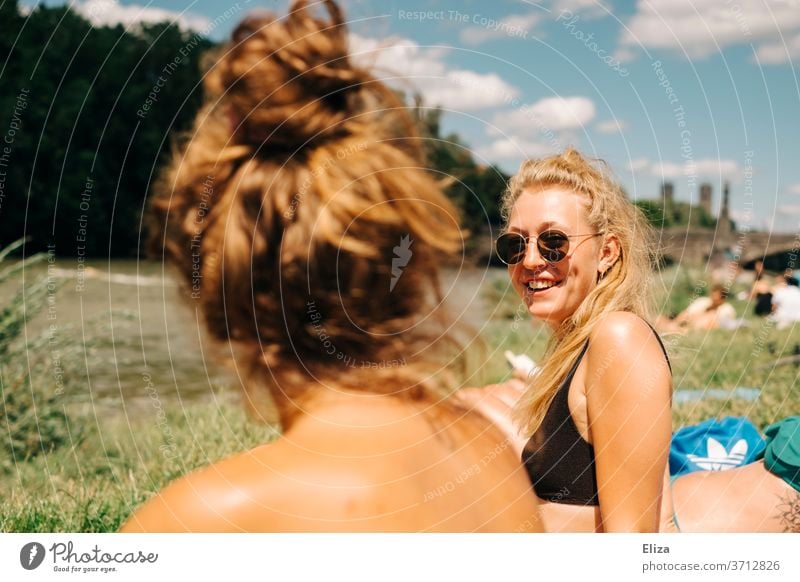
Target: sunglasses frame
542 253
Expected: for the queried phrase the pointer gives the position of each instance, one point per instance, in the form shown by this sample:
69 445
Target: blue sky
689 91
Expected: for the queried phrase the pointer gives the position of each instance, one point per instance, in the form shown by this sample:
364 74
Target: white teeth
539 285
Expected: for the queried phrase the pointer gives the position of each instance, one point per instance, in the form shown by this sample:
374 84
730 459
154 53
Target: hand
496 402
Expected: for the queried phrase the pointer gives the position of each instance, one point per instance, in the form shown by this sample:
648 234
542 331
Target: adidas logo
718 458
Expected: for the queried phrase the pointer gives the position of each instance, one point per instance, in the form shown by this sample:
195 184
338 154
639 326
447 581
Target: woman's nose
533 258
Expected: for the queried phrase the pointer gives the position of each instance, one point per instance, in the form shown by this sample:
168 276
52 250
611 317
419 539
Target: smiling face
553 291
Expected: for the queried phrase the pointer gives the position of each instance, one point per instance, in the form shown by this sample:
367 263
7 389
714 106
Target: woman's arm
496 403
628 396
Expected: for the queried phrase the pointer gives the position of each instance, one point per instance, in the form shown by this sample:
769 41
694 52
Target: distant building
667 192
706 198
724 223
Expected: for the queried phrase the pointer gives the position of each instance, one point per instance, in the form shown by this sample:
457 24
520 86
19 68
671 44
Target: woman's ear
608 255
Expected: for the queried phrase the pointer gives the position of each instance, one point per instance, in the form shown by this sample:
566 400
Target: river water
151 341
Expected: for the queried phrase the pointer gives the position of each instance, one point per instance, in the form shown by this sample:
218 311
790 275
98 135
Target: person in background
758 270
761 294
704 313
760 291
786 302
763 496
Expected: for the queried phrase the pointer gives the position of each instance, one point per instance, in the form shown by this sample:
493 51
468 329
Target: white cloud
611 126
794 189
638 165
586 8
463 89
111 13
537 129
402 62
548 114
793 209
514 148
714 167
776 53
709 167
667 169
698 28
703 167
624 55
514 26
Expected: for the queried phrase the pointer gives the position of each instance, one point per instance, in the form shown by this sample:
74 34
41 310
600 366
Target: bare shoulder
275 487
622 329
624 351
624 335
212 498
325 474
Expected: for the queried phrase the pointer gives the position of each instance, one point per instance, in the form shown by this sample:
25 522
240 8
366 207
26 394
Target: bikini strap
661 343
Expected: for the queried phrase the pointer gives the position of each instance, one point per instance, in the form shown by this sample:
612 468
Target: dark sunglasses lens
553 246
511 248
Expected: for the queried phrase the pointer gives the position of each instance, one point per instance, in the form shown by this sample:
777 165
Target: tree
82 161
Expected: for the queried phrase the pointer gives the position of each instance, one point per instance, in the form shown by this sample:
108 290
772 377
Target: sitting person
761 294
758 275
786 302
712 312
593 423
281 214
595 416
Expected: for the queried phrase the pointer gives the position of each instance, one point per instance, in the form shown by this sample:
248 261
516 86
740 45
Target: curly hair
624 287
291 208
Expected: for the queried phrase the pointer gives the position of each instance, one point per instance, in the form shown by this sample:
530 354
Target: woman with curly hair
595 418
598 409
309 237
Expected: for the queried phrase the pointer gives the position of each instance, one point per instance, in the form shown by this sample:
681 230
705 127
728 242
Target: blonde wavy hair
287 206
623 287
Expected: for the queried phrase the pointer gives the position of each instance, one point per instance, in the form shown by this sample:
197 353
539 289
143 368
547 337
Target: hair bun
288 80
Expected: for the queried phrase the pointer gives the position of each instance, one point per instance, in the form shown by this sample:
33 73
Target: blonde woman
282 214
596 415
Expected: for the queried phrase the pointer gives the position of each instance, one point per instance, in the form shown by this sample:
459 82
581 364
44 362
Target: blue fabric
714 445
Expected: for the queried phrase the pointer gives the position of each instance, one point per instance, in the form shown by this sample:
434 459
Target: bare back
358 463
746 499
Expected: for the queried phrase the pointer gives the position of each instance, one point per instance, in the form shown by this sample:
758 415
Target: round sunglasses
553 245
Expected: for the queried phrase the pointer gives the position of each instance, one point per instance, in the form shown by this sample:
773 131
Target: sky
688 91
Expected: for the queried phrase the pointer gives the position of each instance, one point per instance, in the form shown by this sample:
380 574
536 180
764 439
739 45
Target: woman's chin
540 310
541 305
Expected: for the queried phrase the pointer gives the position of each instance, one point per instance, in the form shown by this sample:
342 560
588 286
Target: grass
95 482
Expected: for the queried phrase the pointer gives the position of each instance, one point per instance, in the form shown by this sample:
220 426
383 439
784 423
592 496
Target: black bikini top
560 463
